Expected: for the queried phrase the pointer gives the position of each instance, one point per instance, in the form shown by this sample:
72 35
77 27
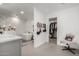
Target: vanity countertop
7 38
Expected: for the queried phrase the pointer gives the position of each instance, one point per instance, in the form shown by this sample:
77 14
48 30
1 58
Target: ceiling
47 8
15 8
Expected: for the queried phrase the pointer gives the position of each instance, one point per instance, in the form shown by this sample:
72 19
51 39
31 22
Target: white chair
68 42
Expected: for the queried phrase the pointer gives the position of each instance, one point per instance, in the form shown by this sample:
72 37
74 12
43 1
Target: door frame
53 19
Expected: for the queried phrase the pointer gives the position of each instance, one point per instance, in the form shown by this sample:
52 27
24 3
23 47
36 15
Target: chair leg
64 49
69 49
72 48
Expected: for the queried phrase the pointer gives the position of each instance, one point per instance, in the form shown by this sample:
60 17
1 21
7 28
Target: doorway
53 30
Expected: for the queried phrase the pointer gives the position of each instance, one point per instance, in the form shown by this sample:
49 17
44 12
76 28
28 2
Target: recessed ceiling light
22 12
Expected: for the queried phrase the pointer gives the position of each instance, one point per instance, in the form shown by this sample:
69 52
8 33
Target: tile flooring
48 49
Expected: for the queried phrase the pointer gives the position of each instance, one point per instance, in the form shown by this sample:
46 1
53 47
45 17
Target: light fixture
22 12
15 19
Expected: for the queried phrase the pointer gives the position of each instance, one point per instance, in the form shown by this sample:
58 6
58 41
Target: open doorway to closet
53 30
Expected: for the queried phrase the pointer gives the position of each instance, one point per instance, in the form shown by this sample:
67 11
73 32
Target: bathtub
27 36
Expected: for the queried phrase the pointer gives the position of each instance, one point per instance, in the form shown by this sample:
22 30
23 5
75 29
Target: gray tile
48 49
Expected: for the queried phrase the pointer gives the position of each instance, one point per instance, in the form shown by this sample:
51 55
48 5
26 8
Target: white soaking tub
27 36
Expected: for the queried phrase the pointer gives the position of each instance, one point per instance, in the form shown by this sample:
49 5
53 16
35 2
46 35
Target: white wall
67 22
25 26
22 26
25 21
29 25
43 36
9 21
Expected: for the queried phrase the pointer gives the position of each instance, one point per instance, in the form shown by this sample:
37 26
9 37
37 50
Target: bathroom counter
7 38
10 45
